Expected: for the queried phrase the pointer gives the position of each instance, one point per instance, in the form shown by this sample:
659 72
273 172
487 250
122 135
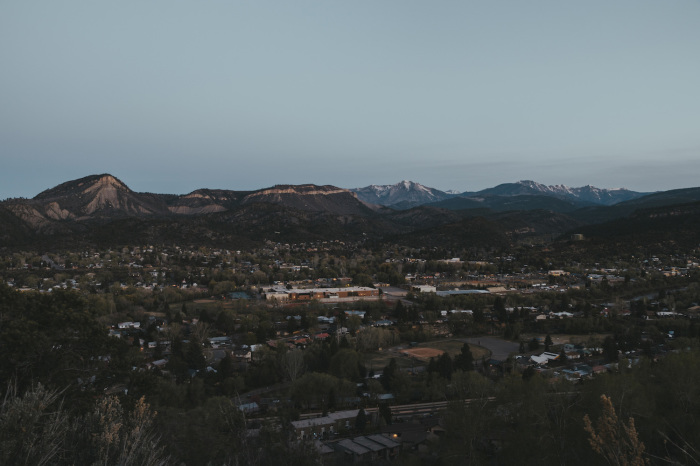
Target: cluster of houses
370 448
573 369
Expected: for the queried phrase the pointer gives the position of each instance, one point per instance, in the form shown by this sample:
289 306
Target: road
396 293
500 349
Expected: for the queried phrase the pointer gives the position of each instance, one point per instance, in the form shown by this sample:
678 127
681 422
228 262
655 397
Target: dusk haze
175 96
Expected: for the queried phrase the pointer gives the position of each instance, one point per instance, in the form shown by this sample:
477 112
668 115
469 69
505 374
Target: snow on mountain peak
405 192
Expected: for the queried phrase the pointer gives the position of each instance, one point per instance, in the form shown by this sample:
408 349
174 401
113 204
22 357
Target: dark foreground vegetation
74 395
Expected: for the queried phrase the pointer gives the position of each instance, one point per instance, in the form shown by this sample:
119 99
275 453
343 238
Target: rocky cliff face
105 198
96 196
311 198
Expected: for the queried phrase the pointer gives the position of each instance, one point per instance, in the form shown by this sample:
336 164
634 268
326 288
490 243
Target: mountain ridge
402 195
100 208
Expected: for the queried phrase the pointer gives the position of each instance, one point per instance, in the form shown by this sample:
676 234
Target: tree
32 427
533 345
529 373
445 366
465 360
345 364
354 323
123 438
293 364
610 349
36 429
400 312
547 342
499 308
389 375
361 420
385 413
616 441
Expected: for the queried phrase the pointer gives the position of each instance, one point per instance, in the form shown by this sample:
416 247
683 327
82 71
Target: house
409 434
243 355
159 364
334 422
125 325
392 448
544 358
383 323
249 407
323 450
358 452
367 449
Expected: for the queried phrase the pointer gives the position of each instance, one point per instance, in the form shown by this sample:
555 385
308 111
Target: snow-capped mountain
585 194
402 195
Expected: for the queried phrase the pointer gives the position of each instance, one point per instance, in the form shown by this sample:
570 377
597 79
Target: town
363 352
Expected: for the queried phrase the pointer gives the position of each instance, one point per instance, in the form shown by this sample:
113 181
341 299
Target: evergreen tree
465 360
385 413
445 366
388 375
547 342
610 349
361 420
499 308
533 345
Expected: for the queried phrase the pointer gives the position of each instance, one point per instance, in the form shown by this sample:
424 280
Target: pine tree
547 342
465 360
361 420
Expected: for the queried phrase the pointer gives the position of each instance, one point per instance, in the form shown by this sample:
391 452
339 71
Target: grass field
377 360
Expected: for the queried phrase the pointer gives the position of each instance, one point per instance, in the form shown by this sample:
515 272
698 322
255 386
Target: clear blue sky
171 96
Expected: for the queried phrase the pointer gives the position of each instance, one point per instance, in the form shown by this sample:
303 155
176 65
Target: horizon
128 185
457 96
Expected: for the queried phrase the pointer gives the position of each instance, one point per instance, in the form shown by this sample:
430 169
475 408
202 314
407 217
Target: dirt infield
422 353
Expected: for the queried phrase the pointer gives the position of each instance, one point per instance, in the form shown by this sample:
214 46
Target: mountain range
407 194
101 209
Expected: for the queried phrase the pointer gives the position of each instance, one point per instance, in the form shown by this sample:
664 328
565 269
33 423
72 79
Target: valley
280 315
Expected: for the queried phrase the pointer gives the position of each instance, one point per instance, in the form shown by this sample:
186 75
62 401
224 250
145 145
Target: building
424 288
339 421
300 294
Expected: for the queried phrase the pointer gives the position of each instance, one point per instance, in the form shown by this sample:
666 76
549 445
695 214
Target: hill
101 209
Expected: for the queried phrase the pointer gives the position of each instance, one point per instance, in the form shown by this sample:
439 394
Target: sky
171 96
